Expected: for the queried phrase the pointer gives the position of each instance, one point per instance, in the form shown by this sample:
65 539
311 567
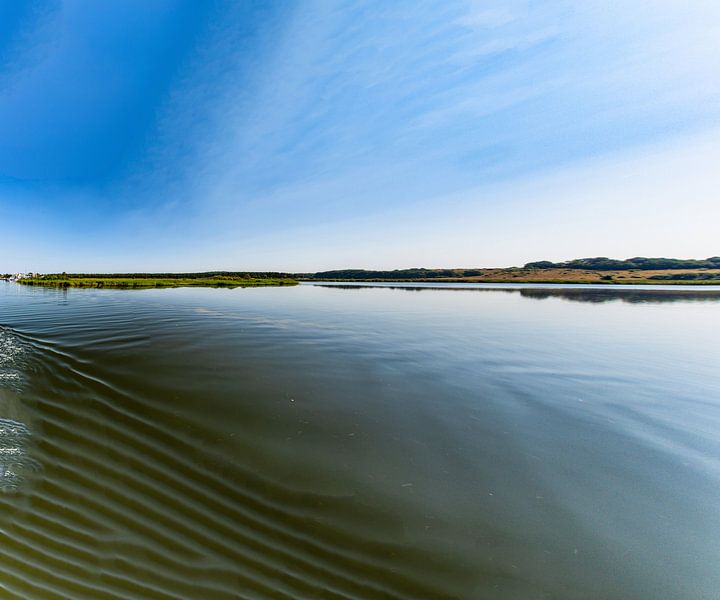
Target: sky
176 135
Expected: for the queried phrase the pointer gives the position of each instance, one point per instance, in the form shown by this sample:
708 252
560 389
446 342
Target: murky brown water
362 442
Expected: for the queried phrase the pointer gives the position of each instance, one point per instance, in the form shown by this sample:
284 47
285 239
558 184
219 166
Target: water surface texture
360 442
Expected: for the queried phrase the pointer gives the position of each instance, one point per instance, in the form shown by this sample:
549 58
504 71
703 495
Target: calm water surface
360 442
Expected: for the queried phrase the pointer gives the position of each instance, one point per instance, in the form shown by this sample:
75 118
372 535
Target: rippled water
360 442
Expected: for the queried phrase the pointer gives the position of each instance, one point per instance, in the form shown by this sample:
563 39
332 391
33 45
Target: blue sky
184 135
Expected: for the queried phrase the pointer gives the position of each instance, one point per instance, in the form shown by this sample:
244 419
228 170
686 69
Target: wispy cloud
354 84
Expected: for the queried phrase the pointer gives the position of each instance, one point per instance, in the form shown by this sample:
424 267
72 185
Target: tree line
416 273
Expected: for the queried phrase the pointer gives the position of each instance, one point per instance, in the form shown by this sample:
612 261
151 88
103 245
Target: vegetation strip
131 282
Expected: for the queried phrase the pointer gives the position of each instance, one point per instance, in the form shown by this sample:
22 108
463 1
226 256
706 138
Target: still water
360 442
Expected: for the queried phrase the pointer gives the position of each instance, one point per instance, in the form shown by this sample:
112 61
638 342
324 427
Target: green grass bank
155 282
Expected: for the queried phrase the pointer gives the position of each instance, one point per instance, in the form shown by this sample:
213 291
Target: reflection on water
307 442
633 296
581 293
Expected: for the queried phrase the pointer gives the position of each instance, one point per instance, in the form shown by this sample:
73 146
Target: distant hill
602 263
586 264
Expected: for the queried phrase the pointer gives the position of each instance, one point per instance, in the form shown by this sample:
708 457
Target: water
368 442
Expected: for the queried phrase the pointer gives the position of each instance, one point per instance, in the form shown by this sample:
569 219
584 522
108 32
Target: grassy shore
153 282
